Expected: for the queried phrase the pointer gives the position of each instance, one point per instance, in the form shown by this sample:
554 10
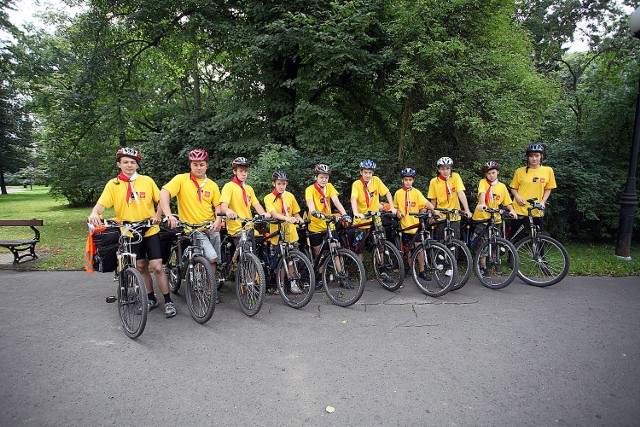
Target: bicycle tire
346 286
500 270
544 265
201 290
133 304
464 262
250 284
439 268
388 266
303 275
172 271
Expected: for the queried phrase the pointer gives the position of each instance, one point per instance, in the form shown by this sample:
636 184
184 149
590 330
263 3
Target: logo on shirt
373 193
207 194
541 180
142 194
453 190
496 197
535 179
413 204
322 200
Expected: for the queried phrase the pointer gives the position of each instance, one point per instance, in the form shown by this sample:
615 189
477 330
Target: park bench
18 246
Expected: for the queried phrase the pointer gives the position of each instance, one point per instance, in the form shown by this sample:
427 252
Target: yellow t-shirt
115 194
273 203
438 191
415 202
232 195
376 189
311 193
500 197
532 184
190 208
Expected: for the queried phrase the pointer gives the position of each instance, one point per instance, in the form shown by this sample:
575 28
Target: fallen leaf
344 322
330 409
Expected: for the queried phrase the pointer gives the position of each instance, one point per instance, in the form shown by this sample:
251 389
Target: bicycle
388 265
249 274
291 268
461 252
186 262
131 295
543 260
440 269
501 257
341 270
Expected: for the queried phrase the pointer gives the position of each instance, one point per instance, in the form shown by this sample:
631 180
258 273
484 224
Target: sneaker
448 273
319 284
169 309
347 284
295 289
484 272
153 303
424 276
385 278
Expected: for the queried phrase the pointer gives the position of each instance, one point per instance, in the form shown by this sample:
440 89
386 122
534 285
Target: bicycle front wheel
497 264
543 261
464 262
172 271
388 266
201 290
343 277
250 284
132 302
296 279
433 269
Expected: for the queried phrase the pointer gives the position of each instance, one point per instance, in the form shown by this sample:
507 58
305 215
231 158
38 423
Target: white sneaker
448 273
294 288
169 309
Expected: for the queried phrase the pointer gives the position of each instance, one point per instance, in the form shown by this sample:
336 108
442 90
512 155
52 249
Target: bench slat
20 222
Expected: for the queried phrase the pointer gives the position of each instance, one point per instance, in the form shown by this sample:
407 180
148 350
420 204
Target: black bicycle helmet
321 168
535 148
368 164
281 175
489 166
240 161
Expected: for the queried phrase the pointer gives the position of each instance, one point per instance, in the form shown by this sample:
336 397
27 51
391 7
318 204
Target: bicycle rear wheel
439 273
388 265
132 302
464 262
201 290
172 271
250 284
501 263
295 271
343 277
543 261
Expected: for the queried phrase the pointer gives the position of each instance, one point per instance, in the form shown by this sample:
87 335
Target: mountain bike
543 260
186 262
131 295
461 252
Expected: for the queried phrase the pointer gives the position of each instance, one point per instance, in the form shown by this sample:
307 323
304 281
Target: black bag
105 260
167 237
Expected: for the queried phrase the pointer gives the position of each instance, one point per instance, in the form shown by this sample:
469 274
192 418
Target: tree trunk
196 90
404 124
3 185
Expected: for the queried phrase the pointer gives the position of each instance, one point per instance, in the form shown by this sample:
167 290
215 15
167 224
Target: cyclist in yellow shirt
132 197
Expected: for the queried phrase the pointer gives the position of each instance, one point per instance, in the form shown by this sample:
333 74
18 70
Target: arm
94 216
481 205
354 207
518 198
258 207
392 208
224 208
165 207
545 197
462 196
217 224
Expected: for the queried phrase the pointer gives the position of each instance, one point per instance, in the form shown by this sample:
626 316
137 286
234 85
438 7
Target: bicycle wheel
201 290
172 271
433 269
543 261
343 277
388 266
250 284
132 302
295 271
464 262
500 265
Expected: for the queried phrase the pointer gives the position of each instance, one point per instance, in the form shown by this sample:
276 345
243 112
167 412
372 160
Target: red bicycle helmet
198 155
128 152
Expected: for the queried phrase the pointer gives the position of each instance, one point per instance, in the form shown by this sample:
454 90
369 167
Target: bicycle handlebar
331 218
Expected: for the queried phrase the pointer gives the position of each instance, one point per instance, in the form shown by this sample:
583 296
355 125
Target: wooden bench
18 246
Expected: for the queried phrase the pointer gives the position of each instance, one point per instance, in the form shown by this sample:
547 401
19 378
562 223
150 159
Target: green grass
64 234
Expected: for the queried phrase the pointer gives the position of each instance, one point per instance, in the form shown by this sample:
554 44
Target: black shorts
316 238
149 248
439 233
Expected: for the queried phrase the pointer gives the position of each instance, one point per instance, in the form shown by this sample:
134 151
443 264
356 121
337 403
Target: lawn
64 234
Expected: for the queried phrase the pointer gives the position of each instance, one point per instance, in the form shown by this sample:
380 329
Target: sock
151 296
167 298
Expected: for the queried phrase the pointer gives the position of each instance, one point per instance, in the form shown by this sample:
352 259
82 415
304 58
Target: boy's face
199 169
322 179
492 175
241 172
127 165
280 185
408 181
445 171
535 159
366 174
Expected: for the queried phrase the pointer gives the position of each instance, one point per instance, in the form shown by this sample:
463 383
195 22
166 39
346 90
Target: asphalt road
565 355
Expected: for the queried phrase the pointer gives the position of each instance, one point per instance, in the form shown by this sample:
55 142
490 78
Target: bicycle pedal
111 299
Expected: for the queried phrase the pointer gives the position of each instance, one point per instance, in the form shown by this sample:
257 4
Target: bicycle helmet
368 164
240 161
535 148
322 169
128 152
444 161
408 172
489 166
198 155
281 175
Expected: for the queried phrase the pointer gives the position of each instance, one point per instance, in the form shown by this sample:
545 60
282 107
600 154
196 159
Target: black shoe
319 285
424 276
347 284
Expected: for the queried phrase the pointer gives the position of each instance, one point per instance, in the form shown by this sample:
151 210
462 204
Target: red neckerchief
285 212
406 199
367 196
244 192
324 198
446 182
198 186
489 194
130 189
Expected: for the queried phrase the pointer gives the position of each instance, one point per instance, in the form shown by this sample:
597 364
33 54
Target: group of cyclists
136 197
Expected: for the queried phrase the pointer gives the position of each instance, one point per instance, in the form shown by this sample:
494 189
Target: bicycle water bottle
358 239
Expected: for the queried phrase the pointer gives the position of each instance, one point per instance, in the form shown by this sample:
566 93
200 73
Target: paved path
566 355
